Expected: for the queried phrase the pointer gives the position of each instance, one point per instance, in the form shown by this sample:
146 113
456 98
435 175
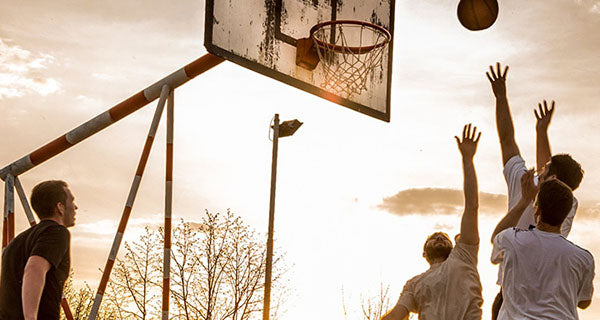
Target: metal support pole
269 262
130 199
168 209
8 225
110 116
24 202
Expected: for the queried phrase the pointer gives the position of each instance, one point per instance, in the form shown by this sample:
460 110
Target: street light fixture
286 129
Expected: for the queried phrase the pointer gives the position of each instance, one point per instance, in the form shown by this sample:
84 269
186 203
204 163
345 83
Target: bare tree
218 270
184 271
217 273
80 302
371 307
134 281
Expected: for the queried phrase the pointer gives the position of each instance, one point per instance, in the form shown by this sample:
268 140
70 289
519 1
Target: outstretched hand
468 145
544 116
528 188
498 80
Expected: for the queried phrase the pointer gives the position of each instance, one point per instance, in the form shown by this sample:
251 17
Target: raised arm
469 232
504 123
528 192
542 144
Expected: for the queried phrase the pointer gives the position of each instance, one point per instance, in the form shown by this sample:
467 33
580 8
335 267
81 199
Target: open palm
468 144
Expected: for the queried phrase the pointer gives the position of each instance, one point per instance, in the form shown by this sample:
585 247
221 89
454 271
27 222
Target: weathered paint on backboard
261 35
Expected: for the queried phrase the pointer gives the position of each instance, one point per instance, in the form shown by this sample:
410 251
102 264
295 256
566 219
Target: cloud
21 72
439 201
588 211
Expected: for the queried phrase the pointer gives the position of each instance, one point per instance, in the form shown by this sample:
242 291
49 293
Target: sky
356 197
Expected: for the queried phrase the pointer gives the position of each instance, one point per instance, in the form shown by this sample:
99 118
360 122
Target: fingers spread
492 73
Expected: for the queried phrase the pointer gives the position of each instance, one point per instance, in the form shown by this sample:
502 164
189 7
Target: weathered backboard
262 34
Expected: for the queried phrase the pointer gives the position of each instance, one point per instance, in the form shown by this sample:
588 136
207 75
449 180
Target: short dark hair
554 201
566 170
46 195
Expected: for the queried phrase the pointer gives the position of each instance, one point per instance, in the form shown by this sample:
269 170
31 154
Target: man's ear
536 214
60 208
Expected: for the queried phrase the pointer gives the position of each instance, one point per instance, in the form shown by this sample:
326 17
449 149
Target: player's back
544 275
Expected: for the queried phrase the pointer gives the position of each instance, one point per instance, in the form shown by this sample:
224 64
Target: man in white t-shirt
545 276
450 289
560 166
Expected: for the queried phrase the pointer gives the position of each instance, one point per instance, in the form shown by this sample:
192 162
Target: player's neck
542 226
436 262
56 219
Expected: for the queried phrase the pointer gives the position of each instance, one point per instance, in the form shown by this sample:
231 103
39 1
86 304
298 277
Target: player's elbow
584 304
397 313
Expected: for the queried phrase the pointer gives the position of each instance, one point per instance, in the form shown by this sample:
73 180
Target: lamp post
285 129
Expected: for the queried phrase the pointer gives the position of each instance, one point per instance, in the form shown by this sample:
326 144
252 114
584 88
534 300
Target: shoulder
506 235
465 252
580 251
51 230
514 163
464 247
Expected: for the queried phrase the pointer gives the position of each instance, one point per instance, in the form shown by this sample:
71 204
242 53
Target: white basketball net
350 58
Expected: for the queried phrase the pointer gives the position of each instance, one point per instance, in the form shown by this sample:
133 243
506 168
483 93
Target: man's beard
438 252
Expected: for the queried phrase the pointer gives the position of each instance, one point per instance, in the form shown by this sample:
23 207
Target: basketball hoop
349 51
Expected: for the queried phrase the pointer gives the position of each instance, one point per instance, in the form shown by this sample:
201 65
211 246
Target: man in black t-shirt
36 263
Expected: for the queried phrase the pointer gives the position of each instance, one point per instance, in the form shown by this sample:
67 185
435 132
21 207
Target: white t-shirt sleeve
407 297
499 245
586 289
514 169
465 252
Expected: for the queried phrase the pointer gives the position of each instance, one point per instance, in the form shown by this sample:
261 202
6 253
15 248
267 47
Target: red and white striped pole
110 116
27 208
8 224
168 209
24 202
130 199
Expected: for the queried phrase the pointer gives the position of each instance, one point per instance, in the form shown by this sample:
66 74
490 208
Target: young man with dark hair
36 263
561 166
450 289
545 276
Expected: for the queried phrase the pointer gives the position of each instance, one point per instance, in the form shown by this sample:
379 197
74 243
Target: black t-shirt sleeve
52 244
